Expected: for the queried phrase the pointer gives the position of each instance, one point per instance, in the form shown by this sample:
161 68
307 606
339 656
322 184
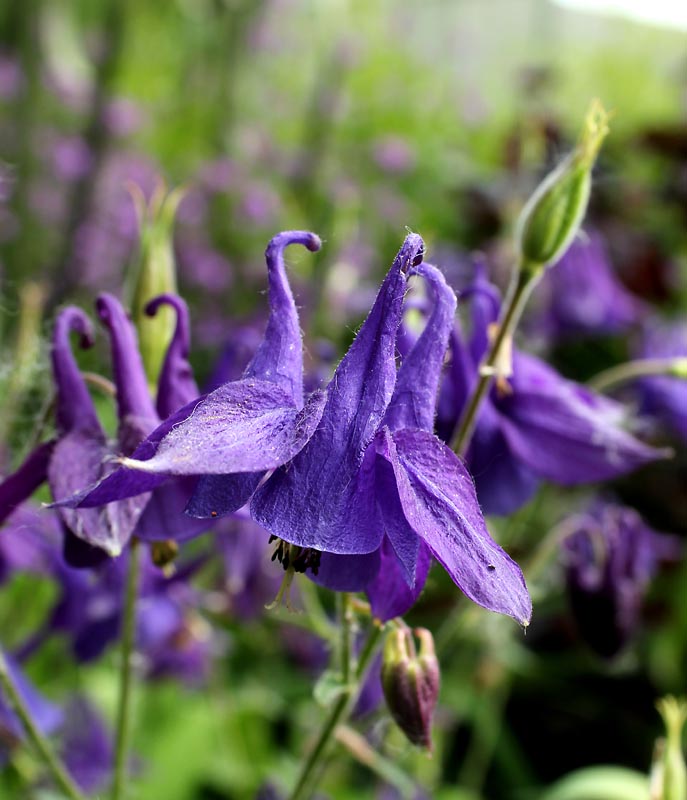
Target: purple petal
439 502
415 394
79 460
22 483
279 358
221 495
176 386
130 482
87 746
389 593
565 433
321 499
245 426
46 716
137 415
75 407
164 516
346 573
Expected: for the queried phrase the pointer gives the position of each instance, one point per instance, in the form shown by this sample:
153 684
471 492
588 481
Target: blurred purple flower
71 158
663 396
581 294
122 117
11 77
87 748
610 557
535 424
200 265
394 155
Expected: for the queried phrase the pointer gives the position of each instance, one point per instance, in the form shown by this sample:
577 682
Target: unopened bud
552 216
156 275
669 773
410 680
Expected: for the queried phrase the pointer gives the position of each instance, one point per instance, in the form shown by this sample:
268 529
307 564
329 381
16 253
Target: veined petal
176 385
244 426
320 499
164 516
439 502
415 394
388 593
279 358
565 433
75 407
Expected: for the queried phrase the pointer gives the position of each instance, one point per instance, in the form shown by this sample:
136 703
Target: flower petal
389 593
439 502
176 386
24 481
346 573
279 358
221 495
565 433
415 394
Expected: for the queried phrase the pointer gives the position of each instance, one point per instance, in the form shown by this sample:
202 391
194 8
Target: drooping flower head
610 558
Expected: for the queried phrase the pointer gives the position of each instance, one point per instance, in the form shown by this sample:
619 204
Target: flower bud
669 773
552 216
156 275
410 681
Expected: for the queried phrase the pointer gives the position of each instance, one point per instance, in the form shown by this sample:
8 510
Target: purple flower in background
81 455
610 557
237 432
535 424
364 476
581 294
663 396
47 716
87 747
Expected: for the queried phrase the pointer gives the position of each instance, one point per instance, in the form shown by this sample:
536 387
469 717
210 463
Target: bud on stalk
552 216
410 681
669 773
156 275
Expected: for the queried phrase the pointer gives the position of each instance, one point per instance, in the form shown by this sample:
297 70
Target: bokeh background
356 120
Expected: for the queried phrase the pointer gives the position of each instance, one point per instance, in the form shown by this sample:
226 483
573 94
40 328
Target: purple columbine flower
364 477
233 435
610 558
535 424
583 295
80 455
663 396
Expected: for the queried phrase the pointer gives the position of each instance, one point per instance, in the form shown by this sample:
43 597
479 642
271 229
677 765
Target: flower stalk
641 368
123 731
40 743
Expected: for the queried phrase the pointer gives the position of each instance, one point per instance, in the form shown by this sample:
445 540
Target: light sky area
671 13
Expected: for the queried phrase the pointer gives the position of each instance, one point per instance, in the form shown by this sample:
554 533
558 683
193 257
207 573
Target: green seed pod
410 681
156 274
553 215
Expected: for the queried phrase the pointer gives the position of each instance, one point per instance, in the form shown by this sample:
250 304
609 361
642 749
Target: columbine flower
664 396
581 294
363 478
237 432
80 455
610 558
535 424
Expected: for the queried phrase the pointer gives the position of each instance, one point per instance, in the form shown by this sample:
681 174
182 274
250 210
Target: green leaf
329 688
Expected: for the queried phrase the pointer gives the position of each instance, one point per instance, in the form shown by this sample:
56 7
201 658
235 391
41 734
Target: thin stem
346 651
337 714
513 307
125 675
41 744
641 368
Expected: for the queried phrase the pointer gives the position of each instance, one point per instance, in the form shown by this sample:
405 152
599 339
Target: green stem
41 744
125 675
339 711
346 653
518 295
641 368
